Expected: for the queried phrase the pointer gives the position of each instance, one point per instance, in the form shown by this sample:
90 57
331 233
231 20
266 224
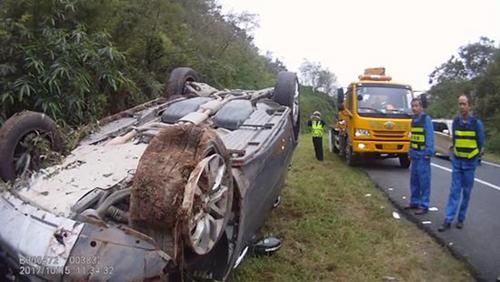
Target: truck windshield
383 101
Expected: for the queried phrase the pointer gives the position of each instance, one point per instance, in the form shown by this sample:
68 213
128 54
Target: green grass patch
310 102
492 157
332 232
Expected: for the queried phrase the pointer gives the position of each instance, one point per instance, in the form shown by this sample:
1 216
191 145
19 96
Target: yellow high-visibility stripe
317 129
466 155
417 138
465 133
417 129
465 143
417 147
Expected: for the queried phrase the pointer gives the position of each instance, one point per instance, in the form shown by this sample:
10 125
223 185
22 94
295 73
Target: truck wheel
342 146
350 157
26 140
286 93
404 161
176 84
334 136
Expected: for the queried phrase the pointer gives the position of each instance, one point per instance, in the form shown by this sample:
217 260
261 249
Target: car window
439 126
349 99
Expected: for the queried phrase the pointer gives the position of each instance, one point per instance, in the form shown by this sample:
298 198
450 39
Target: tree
313 74
49 62
327 82
475 71
78 60
472 61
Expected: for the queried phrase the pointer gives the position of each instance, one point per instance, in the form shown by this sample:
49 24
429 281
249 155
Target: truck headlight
361 132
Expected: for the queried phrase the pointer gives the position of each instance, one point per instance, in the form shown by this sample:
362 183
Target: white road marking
475 179
489 163
441 167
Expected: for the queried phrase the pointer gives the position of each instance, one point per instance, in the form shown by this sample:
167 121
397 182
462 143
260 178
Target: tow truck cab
374 119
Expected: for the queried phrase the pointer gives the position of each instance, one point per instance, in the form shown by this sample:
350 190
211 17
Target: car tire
286 93
214 147
404 161
161 201
176 84
13 132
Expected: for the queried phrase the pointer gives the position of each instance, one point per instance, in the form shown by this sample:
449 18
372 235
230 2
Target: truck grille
389 134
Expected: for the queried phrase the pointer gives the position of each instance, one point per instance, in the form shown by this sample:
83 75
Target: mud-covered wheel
27 139
178 80
286 93
183 182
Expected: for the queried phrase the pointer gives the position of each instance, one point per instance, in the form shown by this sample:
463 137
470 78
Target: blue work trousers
462 180
420 183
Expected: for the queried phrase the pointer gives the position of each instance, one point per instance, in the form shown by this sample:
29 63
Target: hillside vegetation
78 60
475 71
315 101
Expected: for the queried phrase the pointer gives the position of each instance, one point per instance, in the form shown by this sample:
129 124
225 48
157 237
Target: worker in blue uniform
468 141
421 151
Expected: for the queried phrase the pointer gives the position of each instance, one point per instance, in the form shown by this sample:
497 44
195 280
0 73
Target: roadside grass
332 231
492 157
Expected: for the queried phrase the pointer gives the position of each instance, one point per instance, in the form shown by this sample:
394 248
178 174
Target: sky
409 38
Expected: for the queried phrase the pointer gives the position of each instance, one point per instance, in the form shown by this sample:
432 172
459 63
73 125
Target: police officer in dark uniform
468 141
317 126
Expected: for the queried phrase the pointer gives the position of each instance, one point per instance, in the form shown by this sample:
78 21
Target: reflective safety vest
317 128
417 140
465 145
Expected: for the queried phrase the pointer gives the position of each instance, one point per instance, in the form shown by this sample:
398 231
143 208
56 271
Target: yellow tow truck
373 119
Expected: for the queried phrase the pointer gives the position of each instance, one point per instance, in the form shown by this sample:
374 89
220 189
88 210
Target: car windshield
383 101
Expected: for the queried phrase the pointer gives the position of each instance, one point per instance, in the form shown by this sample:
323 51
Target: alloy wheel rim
205 225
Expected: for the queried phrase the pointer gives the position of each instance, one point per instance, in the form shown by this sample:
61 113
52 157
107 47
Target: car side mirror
340 99
267 246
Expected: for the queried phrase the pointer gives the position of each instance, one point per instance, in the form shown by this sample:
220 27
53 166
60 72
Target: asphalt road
479 241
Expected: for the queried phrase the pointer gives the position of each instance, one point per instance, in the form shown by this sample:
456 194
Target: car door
442 137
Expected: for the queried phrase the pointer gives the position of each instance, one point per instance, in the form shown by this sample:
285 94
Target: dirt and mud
161 177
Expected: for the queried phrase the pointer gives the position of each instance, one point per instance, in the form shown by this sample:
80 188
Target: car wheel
208 204
27 140
183 185
404 161
177 82
286 93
